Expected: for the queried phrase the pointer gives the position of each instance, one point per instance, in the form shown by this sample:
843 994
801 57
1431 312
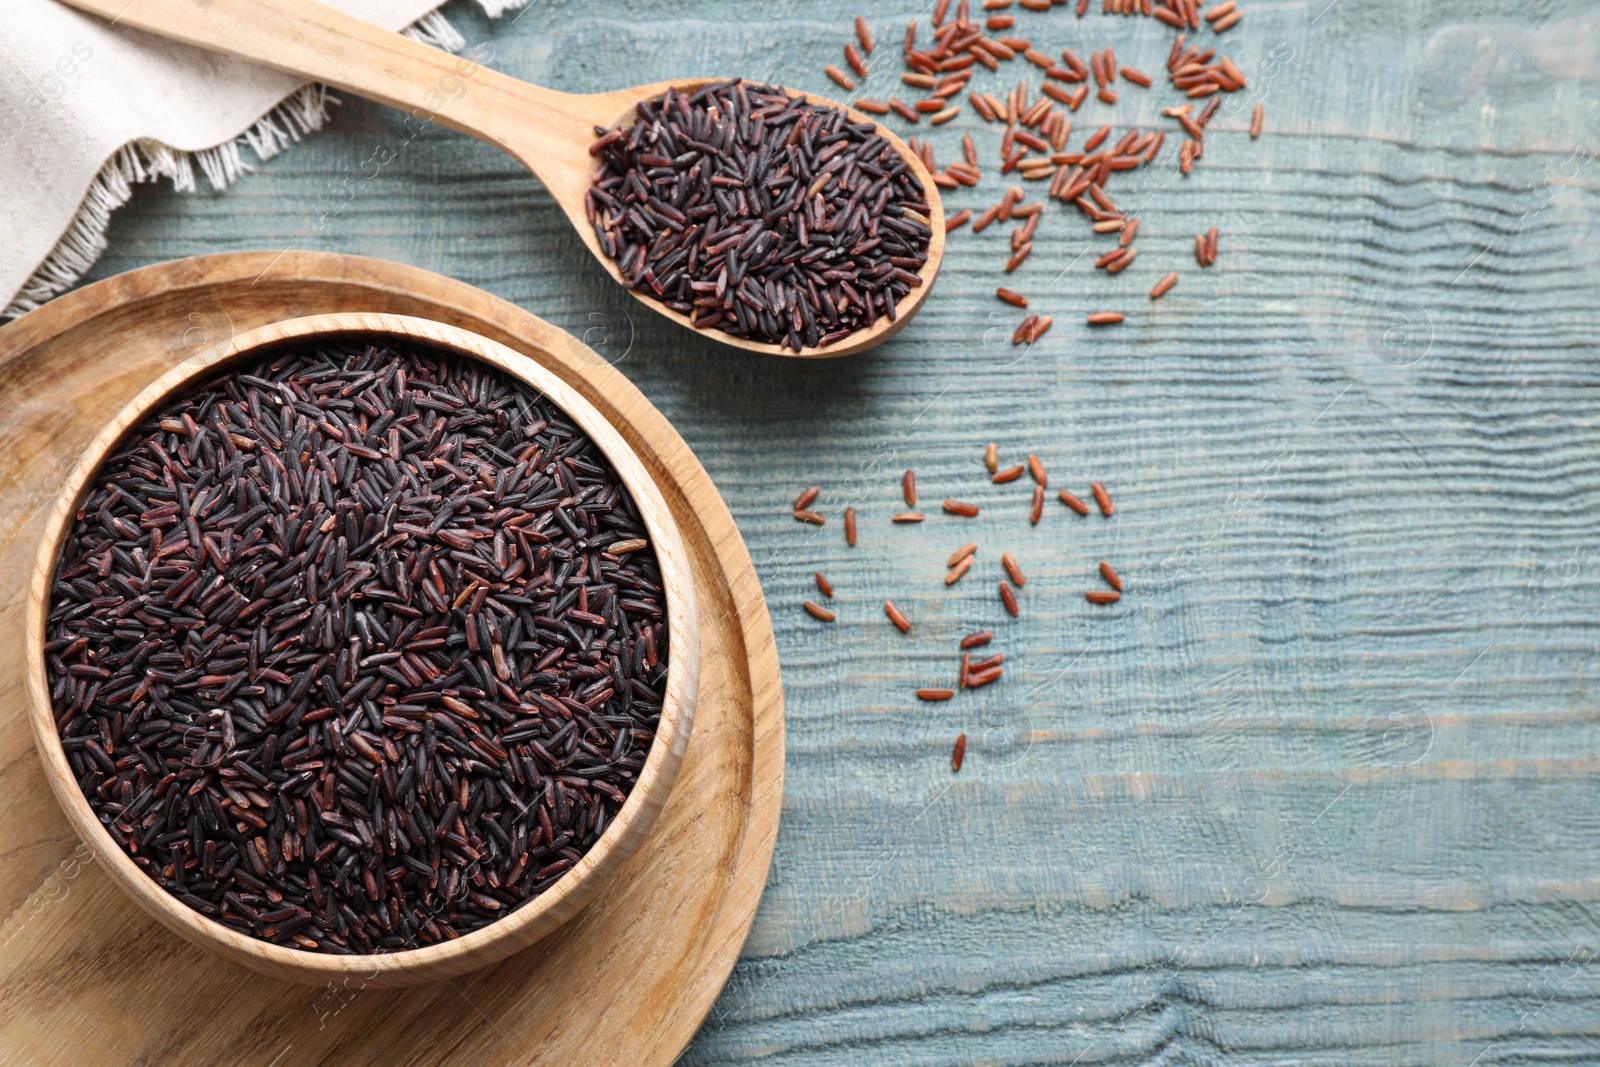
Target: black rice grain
339 654
759 214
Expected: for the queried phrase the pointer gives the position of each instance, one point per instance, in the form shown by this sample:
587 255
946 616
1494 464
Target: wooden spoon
547 131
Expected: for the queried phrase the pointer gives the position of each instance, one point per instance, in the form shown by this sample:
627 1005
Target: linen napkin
89 109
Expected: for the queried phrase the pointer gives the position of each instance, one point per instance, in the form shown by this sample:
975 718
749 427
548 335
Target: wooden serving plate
87 977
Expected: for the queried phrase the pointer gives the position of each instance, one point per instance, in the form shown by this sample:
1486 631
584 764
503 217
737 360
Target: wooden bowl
533 920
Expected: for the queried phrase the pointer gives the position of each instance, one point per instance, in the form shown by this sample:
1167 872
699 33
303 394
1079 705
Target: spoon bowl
546 131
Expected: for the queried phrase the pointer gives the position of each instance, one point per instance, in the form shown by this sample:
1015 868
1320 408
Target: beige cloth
87 109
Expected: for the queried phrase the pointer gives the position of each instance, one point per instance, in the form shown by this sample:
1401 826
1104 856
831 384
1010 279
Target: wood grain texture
630 976
548 132
1357 473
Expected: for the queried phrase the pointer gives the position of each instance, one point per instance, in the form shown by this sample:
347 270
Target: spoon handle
321 43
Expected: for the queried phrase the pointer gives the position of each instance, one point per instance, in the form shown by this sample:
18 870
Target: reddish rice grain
1105 318
1010 474
1025 234
895 616
1257 117
1102 498
962 553
936 694
807 497
1074 502
864 35
1018 256
991 458
1036 512
909 516
1012 297
1036 468
908 486
1009 599
810 517
1056 93
963 173
981 637
840 77
1167 282
825 586
1110 575
850 526
872 107
961 507
817 611
957 220
1102 596
1009 562
976 680
1137 77
1123 260
966 668
959 752
958 570
853 57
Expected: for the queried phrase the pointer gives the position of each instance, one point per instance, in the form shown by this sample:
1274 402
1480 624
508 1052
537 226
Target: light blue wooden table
1323 787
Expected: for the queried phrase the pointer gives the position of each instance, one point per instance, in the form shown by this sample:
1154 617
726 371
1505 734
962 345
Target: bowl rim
532 920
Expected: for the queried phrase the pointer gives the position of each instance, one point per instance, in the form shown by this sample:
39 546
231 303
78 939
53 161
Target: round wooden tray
87 977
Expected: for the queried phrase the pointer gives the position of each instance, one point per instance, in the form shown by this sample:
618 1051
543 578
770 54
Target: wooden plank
628 977
1356 476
